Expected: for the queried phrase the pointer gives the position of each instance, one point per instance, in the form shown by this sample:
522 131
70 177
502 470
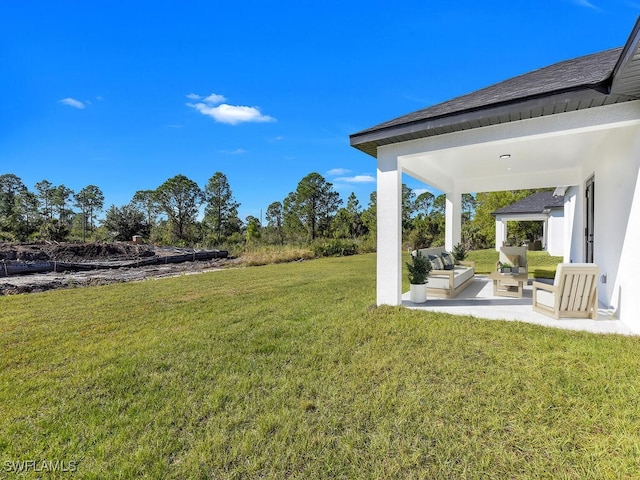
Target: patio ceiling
535 153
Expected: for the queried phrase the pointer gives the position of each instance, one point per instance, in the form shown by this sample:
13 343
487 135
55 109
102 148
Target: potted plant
419 269
503 267
459 252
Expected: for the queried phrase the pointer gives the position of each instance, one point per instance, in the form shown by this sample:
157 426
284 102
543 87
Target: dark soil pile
102 254
74 252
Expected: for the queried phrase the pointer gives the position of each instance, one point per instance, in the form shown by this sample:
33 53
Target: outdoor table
508 284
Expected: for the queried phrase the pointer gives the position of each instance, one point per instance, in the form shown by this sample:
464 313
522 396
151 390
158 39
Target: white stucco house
574 124
546 207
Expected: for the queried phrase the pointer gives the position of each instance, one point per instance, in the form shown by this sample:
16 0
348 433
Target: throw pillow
452 259
436 262
447 260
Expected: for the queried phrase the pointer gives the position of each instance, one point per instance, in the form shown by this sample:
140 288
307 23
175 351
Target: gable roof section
594 80
626 75
536 203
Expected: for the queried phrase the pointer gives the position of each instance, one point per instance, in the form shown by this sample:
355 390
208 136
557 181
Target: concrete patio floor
477 300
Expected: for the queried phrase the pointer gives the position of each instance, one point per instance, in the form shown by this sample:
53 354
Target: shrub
7 237
459 252
265 255
336 247
368 244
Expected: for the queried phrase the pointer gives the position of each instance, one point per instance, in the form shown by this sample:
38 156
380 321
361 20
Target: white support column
574 224
389 230
569 209
453 221
501 232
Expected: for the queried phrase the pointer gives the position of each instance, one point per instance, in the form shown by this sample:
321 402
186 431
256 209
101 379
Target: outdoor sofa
447 279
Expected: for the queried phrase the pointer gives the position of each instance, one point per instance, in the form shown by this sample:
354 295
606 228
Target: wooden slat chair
574 292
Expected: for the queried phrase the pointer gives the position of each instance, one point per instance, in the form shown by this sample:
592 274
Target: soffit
534 161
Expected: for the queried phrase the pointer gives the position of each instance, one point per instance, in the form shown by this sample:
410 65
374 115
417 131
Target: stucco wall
625 288
617 224
555 233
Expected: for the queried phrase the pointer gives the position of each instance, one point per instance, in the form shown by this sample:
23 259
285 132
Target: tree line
180 212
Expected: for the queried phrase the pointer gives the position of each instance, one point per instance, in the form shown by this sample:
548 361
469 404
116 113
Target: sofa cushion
432 251
546 298
460 275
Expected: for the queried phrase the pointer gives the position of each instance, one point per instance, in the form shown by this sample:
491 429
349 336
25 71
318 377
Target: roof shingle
590 71
536 203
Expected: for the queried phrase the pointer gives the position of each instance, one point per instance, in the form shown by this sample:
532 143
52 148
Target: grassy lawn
289 371
541 264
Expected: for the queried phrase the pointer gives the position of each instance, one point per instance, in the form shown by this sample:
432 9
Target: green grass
289 371
270 254
541 264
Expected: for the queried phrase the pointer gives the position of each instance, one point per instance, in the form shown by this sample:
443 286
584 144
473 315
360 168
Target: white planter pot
418 293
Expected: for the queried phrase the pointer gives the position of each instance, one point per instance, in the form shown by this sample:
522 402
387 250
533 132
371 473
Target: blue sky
126 94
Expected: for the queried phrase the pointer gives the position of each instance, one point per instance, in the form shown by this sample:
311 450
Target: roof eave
626 73
578 98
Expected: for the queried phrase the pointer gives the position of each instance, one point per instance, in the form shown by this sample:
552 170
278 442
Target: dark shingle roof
591 71
575 84
594 80
536 203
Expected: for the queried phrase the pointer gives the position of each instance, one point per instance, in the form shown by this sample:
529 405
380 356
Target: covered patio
477 300
530 153
574 124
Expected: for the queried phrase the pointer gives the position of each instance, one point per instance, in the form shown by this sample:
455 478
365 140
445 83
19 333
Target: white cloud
357 179
194 96
225 113
338 171
72 102
420 191
584 3
214 99
237 151
232 114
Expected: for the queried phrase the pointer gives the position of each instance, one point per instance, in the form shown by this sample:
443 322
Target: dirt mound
25 252
74 252
70 252
114 262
